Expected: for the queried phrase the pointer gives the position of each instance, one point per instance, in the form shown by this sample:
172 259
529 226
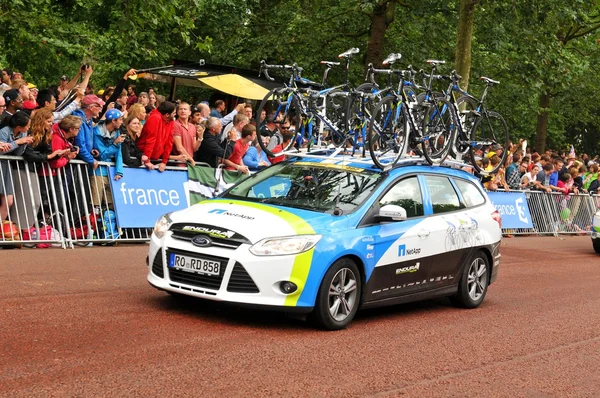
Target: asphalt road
86 323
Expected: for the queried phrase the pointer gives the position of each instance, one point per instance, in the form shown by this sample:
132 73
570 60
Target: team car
327 237
596 232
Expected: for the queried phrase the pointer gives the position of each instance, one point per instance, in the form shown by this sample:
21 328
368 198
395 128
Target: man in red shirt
235 161
156 139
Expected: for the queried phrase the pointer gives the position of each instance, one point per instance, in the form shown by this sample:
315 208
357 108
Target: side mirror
392 213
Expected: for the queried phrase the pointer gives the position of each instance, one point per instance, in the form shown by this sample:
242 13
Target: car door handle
423 233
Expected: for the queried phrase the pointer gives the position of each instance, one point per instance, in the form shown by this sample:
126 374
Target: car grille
230 243
240 281
157 265
199 280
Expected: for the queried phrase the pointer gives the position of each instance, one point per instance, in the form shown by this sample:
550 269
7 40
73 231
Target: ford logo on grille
201 240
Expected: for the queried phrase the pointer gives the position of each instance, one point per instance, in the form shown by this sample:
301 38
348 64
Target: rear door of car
401 268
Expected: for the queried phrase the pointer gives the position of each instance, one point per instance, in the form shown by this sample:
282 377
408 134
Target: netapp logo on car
403 252
149 197
228 213
409 269
216 233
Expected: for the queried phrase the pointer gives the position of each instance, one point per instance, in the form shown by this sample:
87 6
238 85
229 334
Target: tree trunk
382 16
464 34
542 123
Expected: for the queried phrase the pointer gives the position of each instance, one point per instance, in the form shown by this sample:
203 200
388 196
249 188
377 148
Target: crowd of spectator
51 126
550 171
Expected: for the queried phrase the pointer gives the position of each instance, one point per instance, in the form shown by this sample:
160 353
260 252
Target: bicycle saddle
393 57
349 53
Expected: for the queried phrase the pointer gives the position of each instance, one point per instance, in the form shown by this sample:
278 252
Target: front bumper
244 279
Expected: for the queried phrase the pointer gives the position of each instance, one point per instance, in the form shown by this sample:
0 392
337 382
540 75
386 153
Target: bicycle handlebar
264 69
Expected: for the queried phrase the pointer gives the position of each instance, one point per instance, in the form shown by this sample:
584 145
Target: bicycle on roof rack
403 123
327 108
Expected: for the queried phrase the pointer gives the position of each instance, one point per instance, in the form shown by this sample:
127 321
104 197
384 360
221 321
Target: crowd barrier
68 207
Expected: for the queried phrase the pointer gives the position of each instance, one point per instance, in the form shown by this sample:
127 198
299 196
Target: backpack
46 233
10 231
109 229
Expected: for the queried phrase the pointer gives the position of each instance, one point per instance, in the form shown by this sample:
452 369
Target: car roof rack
338 154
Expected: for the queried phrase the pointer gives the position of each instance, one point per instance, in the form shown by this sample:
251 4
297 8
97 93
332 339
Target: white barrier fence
68 207
62 207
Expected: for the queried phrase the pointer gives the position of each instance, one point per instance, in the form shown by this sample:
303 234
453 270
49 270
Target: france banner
513 208
142 195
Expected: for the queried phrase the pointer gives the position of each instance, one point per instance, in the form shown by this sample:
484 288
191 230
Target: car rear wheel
473 283
596 243
339 296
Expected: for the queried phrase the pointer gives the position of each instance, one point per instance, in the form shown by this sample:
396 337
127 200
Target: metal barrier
556 213
69 207
62 207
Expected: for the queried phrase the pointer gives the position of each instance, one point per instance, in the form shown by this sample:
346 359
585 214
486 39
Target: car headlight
162 225
285 245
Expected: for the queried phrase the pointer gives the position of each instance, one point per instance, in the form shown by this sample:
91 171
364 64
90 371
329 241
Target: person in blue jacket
255 158
107 142
91 107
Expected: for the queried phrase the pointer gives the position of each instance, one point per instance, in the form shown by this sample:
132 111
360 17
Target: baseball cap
31 85
91 99
64 77
29 105
10 95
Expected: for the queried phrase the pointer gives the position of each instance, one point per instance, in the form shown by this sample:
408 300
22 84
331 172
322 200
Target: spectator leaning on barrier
513 171
131 130
91 106
235 160
15 134
186 138
287 136
14 103
554 177
107 141
255 158
594 187
210 150
590 176
156 139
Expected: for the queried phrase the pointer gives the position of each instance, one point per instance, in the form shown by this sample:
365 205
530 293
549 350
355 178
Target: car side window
406 193
443 196
471 195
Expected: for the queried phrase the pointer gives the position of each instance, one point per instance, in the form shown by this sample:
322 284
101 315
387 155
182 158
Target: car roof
405 166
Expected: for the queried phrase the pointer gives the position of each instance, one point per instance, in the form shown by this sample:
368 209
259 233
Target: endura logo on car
403 252
227 213
215 233
409 269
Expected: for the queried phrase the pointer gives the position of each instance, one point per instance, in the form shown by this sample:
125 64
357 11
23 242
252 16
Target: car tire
474 282
596 244
339 296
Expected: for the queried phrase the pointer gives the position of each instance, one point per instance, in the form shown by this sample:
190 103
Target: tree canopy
544 52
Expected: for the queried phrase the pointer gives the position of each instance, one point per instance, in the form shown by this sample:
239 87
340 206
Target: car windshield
309 185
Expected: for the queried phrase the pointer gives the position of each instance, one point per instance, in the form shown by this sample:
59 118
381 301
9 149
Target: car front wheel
473 283
339 296
596 243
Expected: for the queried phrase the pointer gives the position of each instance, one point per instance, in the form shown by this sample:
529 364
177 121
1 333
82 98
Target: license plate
194 264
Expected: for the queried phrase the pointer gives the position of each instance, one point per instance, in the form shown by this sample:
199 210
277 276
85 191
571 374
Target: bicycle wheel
438 131
467 115
284 106
490 131
388 133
